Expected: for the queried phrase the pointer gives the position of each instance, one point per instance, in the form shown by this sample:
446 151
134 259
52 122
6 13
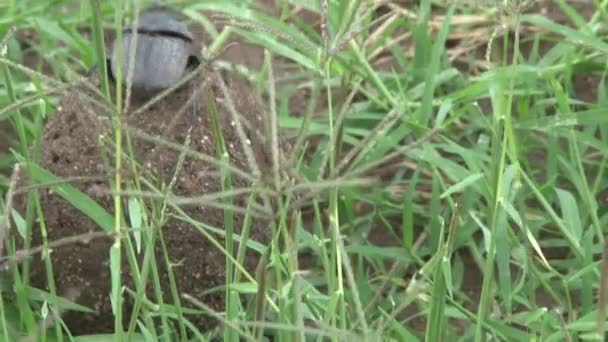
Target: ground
71 149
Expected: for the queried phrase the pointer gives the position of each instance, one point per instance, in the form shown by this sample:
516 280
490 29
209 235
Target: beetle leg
95 69
193 62
92 72
109 69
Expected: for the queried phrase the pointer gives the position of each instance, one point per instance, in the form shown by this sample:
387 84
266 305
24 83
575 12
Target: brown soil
71 149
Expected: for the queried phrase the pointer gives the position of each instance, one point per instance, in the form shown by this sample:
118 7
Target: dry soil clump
73 141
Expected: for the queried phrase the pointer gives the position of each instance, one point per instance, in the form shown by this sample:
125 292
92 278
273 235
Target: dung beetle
164 52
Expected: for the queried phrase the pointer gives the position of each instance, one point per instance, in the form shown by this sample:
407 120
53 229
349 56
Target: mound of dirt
72 150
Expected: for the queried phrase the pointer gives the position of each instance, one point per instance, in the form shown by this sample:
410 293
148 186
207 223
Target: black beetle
164 52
